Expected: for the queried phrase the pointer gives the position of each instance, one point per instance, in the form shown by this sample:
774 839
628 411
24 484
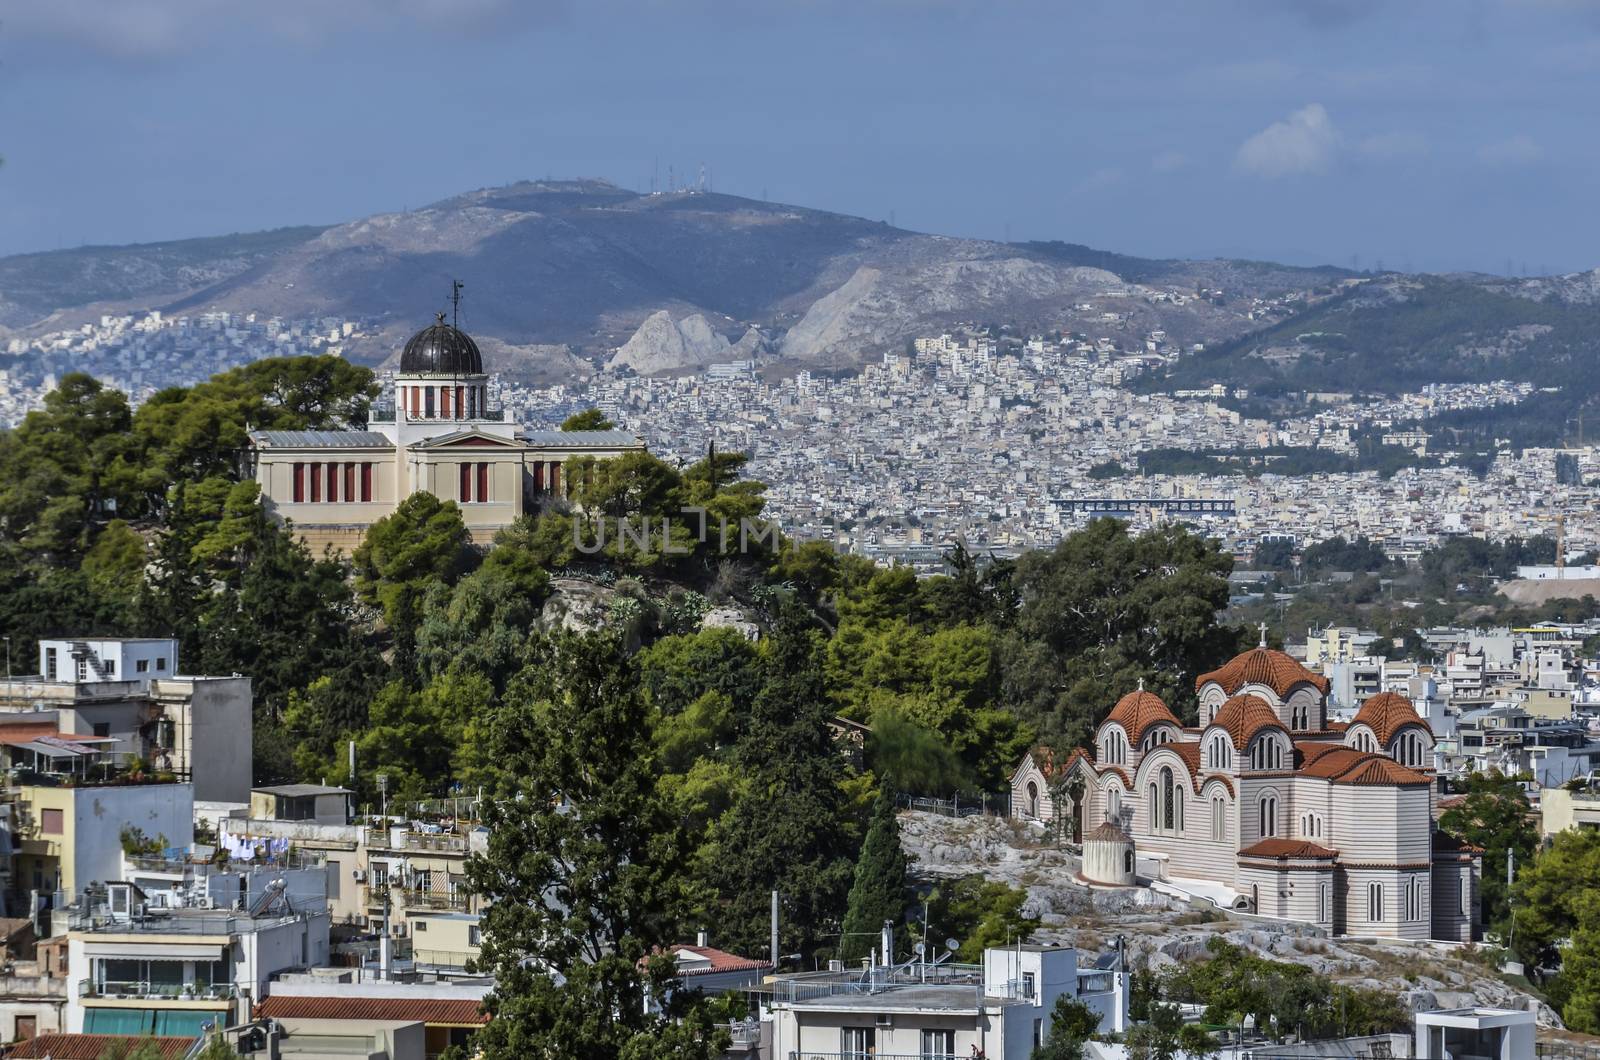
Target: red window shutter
466 483
483 482
316 483
299 483
366 482
350 482
333 482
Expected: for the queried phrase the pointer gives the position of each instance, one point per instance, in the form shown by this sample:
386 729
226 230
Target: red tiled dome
1137 711
1386 714
1261 666
1244 716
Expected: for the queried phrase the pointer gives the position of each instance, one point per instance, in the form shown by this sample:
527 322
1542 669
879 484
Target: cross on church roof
1263 634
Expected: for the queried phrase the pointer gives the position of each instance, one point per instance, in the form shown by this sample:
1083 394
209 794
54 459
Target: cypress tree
879 890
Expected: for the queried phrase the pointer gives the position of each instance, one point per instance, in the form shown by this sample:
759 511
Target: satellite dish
918 949
952 944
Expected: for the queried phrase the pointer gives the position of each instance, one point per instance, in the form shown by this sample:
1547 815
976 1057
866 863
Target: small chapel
1265 806
436 432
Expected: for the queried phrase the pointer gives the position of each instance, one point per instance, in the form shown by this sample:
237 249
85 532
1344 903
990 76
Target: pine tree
879 890
788 830
582 872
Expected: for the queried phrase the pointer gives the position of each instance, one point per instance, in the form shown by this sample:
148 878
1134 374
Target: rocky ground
1161 931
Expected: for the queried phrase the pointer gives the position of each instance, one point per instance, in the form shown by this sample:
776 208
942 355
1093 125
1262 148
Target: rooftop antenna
455 302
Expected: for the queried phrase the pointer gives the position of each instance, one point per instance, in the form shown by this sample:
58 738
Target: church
1266 806
436 433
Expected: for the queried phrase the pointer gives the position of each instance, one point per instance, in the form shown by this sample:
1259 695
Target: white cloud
1395 145
1518 150
1304 142
1169 162
149 29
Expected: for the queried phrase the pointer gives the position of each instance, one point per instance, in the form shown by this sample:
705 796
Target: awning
152 951
55 750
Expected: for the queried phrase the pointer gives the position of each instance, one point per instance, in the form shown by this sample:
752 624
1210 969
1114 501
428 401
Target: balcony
417 899
88 988
873 1054
386 414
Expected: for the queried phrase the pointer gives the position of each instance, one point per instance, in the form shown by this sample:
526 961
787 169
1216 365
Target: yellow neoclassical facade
438 434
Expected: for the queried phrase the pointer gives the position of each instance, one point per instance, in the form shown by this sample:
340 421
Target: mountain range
565 278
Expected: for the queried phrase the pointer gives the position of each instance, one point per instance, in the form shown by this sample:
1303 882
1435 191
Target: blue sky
1435 134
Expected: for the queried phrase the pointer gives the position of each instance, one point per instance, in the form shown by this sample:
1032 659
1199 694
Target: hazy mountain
561 275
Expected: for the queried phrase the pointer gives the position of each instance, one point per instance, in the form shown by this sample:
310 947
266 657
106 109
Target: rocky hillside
1161 931
563 276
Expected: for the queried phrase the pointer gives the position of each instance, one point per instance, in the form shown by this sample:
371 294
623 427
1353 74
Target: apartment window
141 666
421 926
938 1045
858 1043
1027 984
82 668
474 935
50 822
299 483
1038 1033
483 483
50 664
110 667
161 663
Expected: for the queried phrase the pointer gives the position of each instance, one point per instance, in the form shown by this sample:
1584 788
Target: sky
1422 134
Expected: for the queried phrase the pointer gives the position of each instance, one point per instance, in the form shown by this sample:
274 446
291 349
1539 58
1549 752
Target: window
1466 890
427 402
1027 984
858 1043
483 483
1166 799
82 668
1114 803
161 663
316 483
141 666
349 482
422 925
1267 753
50 822
50 664
1220 752
333 482
474 935
466 483
1310 826
938 1045
1219 819
1374 902
102 729
110 667
1033 799
1267 824
1414 899
461 407
1038 1033
299 483
366 482
1323 902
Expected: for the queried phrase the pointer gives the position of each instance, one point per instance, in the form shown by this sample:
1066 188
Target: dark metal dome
441 349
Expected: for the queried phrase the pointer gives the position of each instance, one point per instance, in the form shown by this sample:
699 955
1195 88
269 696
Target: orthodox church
437 433
1266 806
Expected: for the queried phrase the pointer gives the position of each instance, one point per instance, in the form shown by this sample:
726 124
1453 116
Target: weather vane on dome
455 303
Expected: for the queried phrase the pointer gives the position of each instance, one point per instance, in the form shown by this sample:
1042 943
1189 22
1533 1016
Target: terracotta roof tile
721 961
1386 714
1107 832
1138 711
456 1011
1261 666
1287 848
1244 716
94 1046
1345 765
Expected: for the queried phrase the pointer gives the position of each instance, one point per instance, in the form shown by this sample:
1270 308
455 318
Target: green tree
583 872
878 893
788 830
1072 1024
979 912
1158 1038
422 542
1494 816
588 420
1102 610
1550 893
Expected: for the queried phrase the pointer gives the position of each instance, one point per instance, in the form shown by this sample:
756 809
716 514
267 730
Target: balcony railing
385 414
873 1054
415 899
166 991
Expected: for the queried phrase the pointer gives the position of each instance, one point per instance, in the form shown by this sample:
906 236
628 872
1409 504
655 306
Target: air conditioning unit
359 875
885 1019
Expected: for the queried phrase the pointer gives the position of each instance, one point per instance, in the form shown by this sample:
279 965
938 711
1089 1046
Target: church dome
441 349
